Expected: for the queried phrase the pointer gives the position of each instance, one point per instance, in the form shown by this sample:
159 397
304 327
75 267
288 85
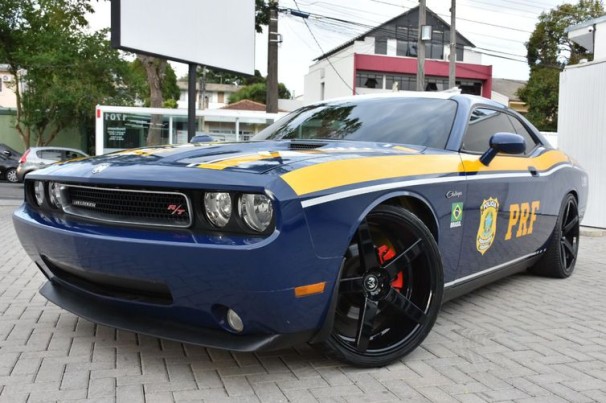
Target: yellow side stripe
339 173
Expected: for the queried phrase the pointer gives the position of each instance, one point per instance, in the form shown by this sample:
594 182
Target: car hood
253 157
237 166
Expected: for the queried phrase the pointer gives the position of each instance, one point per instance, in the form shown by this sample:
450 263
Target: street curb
592 232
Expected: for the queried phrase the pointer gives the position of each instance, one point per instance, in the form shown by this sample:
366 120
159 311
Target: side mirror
506 143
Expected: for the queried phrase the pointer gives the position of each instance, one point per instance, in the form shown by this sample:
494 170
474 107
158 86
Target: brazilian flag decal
456 215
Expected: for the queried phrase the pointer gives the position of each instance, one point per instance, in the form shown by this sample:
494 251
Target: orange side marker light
311 289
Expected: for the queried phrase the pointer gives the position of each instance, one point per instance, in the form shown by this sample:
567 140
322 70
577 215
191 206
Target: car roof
454 95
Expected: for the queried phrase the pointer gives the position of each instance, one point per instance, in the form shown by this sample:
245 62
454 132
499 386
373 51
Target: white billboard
214 33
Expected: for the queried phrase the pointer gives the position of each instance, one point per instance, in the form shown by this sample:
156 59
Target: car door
502 204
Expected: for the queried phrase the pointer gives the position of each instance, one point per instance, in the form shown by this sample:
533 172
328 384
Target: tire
11 175
561 255
390 290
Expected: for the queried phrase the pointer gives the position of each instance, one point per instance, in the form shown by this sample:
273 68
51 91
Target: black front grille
142 207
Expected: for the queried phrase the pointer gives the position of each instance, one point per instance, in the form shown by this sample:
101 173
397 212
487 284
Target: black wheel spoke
568 248
368 255
365 324
407 307
350 285
408 256
571 225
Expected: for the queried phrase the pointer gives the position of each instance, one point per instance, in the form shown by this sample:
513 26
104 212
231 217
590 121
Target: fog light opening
234 321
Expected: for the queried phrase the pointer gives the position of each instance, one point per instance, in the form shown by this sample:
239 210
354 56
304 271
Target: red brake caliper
385 254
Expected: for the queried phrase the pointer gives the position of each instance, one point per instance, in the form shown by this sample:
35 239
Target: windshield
417 121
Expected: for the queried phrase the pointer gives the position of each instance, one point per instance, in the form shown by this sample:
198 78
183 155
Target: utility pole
273 38
421 49
452 58
202 92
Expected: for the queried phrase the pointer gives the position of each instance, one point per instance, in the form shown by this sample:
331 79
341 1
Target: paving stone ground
523 339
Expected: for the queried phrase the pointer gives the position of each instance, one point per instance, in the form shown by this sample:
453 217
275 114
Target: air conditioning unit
6 78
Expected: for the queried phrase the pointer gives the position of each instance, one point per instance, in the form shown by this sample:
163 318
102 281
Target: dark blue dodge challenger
346 224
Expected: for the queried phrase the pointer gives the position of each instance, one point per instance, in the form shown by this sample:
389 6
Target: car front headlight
54 193
39 192
217 206
256 210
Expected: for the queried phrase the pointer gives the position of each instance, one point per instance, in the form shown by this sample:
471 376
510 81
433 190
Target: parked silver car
40 157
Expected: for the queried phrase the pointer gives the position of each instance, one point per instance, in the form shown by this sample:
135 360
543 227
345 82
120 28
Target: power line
322 50
339 24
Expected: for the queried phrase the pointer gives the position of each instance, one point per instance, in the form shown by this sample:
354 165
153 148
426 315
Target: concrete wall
582 129
8 135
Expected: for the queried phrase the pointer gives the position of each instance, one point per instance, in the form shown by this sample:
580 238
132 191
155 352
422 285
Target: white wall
600 41
582 130
335 85
500 98
8 99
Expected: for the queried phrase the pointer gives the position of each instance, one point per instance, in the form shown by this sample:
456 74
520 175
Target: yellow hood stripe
338 173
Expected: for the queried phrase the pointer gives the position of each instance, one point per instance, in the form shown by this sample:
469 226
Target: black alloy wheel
561 256
390 289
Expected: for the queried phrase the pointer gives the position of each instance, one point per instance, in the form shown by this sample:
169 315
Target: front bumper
111 313
113 276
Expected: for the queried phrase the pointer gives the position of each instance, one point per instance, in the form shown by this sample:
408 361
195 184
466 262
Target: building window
381 46
365 79
404 82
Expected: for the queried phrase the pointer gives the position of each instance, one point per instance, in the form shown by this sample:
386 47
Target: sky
497 27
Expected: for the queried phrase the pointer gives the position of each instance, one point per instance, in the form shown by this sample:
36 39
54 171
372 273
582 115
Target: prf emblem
488 224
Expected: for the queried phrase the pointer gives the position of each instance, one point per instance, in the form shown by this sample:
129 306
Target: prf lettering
523 215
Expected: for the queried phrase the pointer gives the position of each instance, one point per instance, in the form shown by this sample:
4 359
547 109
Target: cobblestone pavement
522 339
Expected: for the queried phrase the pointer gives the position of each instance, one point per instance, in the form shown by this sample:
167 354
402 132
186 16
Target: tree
257 92
548 51
261 15
139 84
61 71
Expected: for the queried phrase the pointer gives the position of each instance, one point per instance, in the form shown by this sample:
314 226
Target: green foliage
549 51
258 92
222 77
261 14
541 94
139 84
63 71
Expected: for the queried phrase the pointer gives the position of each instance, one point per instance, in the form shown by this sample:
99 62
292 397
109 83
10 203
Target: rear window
417 121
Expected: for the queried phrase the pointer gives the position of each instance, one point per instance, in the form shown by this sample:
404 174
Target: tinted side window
522 131
483 123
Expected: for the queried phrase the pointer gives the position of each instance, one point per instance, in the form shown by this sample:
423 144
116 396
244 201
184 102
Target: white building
8 99
384 59
582 114
215 95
